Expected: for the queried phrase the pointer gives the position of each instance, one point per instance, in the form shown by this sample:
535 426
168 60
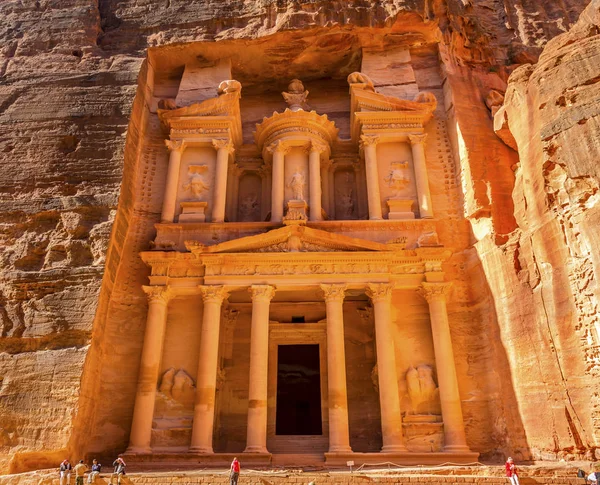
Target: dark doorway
298 390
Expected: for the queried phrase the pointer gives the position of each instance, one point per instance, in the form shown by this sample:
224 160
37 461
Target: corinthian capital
316 146
223 144
175 145
158 294
334 292
279 146
262 292
213 293
416 139
368 140
379 291
435 291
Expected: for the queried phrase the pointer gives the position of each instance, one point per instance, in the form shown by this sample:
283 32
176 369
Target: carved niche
249 197
344 182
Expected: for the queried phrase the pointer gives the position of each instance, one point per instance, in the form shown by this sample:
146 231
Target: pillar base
394 449
138 450
340 449
200 450
256 449
456 449
404 458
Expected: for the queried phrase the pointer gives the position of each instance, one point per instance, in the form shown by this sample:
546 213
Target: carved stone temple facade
299 294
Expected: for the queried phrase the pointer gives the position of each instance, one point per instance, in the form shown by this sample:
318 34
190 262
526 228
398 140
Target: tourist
234 472
119 470
80 470
594 477
65 473
511 471
96 468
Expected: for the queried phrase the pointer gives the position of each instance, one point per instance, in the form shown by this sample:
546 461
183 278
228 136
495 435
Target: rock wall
73 108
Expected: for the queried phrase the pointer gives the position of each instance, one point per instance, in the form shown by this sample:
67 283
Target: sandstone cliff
69 74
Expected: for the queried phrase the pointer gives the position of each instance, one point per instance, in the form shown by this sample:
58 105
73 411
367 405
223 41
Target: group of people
81 468
511 472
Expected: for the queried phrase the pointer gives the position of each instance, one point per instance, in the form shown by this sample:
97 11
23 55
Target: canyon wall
75 93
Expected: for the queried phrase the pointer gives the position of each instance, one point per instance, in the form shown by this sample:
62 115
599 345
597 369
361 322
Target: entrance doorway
298 409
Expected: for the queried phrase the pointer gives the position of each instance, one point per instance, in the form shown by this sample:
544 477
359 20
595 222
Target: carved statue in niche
422 390
397 179
296 96
297 184
196 184
248 207
346 202
177 385
345 205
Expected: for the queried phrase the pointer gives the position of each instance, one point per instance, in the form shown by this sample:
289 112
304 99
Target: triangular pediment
293 238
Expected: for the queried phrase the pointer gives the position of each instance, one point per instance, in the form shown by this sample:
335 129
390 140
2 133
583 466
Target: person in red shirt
234 472
511 471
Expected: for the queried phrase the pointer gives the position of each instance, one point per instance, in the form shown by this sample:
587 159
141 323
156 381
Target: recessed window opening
298 319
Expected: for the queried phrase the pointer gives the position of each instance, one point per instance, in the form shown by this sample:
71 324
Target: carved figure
360 78
346 202
196 184
297 185
397 178
428 239
422 390
296 96
229 86
167 103
248 207
176 384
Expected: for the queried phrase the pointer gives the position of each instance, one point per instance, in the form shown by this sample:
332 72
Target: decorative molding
175 145
435 291
262 292
368 140
279 146
213 293
223 143
334 292
416 139
379 292
158 294
316 146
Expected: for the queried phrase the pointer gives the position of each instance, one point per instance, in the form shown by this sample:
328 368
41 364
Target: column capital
435 291
368 140
317 146
416 139
213 293
175 145
335 292
279 146
379 291
262 292
158 294
223 143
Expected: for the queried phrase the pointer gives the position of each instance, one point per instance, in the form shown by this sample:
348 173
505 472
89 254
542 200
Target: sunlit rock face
84 170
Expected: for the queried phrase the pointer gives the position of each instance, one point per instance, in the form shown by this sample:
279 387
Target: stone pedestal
400 209
193 212
296 212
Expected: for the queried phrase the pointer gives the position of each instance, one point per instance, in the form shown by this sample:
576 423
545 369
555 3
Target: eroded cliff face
74 88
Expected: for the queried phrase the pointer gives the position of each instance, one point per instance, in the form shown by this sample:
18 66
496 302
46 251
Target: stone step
298 459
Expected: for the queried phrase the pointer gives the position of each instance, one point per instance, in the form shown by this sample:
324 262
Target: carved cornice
379 292
223 143
334 292
158 294
416 139
213 293
262 292
435 291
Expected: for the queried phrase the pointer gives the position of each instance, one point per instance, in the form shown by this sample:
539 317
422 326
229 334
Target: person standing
234 472
511 471
80 470
119 470
96 468
594 477
65 472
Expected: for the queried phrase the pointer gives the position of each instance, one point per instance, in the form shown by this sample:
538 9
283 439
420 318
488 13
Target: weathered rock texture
74 105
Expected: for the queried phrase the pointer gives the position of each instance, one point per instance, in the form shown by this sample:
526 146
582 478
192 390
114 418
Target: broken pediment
291 239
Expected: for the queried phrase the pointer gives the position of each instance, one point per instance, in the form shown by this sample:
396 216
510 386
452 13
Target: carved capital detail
223 143
368 140
175 145
262 292
379 292
416 139
334 292
316 146
279 146
435 291
213 293
158 294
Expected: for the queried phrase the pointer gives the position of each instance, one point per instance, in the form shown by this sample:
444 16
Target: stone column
256 438
454 428
279 150
325 188
389 399
369 145
331 170
339 434
206 381
176 148
314 173
224 147
143 411
265 187
417 143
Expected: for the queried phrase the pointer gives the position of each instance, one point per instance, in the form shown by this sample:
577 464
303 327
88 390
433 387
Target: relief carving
177 385
249 208
297 184
422 390
296 95
398 179
196 184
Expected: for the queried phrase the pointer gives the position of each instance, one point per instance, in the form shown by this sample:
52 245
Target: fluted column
154 334
256 438
369 145
417 143
314 173
206 381
224 148
454 427
279 149
176 148
389 400
325 188
339 434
